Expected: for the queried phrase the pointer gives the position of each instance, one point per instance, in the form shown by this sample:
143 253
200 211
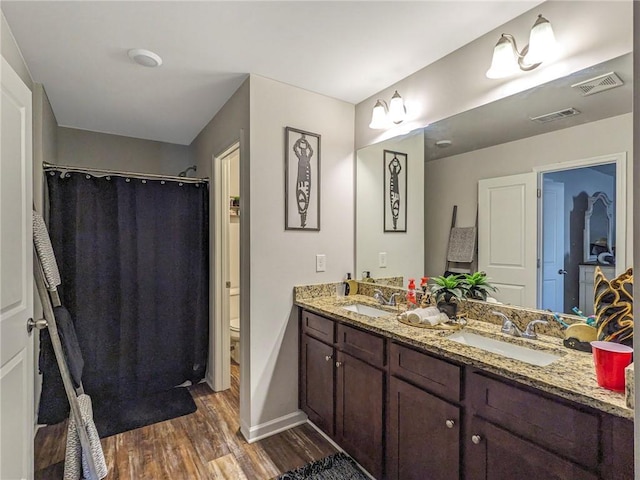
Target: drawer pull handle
327 357
476 439
450 423
338 364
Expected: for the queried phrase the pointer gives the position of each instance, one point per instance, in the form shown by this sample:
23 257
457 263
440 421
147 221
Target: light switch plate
382 260
321 263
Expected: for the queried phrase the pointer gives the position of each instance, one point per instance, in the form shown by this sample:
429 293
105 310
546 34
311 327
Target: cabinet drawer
362 345
432 374
561 428
319 327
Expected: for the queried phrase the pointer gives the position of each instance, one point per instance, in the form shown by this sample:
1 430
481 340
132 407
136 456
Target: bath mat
335 467
117 416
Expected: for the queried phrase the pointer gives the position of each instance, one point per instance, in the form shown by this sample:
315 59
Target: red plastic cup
610 360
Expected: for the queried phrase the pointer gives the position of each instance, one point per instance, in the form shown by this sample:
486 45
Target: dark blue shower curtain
133 256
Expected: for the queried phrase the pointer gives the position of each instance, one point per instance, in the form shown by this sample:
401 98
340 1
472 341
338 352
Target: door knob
327 357
449 423
562 271
476 439
338 364
39 324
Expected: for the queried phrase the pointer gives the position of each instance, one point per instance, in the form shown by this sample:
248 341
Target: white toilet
234 330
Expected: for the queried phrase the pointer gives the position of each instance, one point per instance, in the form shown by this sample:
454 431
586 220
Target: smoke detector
550 117
146 58
598 84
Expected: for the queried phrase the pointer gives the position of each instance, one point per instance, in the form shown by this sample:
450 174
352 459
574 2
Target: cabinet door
492 453
316 392
359 411
424 435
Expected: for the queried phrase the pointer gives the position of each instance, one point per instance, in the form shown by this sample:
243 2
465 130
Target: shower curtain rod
102 172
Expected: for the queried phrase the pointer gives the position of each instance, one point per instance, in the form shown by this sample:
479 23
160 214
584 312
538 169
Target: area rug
117 416
335 467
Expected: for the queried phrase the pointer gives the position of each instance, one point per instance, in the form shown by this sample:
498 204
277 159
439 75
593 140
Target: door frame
221 344
620 159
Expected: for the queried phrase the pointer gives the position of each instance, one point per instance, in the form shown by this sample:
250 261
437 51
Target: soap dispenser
366 277
347 286
411 294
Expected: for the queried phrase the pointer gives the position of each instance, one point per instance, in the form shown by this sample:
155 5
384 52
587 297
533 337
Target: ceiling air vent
550 117
599 84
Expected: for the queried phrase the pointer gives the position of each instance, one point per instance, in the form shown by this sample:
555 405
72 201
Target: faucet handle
530 332
506 321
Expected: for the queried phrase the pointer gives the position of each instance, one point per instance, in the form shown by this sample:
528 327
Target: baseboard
338 447
277 425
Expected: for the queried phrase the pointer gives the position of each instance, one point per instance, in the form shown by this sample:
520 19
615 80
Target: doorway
226 267
582 225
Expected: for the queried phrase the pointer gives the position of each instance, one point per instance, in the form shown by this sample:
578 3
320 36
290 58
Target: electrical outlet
321 263
382 260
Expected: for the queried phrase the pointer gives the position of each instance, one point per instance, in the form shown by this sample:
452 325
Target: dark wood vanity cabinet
426 418
493 453
343 385
317 384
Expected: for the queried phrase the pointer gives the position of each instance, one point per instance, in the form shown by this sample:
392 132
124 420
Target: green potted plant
476 286
447 291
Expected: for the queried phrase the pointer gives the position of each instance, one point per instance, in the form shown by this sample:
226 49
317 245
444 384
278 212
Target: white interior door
553 247
507 241
16 279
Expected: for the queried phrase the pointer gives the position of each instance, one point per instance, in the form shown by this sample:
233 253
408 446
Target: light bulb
504 62
542 41
379 116
397 110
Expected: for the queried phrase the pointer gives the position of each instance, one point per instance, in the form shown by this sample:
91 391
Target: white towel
429 315
75 461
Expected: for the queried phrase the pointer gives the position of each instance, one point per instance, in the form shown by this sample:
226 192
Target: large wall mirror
497 140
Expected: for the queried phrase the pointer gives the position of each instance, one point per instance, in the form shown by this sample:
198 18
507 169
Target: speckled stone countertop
572 377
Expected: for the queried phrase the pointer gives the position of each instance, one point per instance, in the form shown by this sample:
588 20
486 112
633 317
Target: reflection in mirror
599 243
498 140
379 249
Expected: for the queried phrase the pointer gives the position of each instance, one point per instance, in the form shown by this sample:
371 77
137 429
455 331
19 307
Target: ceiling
509 118
346 50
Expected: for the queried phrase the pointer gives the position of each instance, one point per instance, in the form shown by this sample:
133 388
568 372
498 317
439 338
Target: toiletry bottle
424 299
347 287
411 294
366 277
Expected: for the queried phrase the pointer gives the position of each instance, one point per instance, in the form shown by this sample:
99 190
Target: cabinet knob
476 439
338 364
327 357
450 423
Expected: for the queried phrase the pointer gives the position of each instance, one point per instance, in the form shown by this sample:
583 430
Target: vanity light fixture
382 113
507 59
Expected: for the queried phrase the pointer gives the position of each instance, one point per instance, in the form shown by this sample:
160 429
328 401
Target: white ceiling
347 50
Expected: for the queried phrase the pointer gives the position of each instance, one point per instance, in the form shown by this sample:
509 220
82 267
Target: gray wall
228 127
83 148
11 53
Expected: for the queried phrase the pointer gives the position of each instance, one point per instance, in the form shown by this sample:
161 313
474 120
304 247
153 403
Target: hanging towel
462 244
44 250
53 406
75 461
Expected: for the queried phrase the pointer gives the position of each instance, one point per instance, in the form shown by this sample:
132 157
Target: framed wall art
302 180
395 191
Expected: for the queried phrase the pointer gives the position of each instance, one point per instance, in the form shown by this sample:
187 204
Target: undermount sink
506 349
367 310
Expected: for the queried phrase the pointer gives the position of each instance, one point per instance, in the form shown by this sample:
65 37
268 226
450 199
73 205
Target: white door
507 241
16 277
553 248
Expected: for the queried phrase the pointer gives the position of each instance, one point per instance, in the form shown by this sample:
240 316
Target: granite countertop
572 377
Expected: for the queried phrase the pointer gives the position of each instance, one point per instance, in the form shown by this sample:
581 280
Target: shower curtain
133 256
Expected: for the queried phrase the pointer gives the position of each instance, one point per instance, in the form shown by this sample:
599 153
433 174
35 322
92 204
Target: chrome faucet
529 332
379 296
508 326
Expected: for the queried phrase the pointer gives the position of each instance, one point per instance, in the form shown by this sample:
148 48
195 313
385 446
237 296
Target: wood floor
204 445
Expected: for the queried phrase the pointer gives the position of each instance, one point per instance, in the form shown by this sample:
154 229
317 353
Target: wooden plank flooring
204 445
